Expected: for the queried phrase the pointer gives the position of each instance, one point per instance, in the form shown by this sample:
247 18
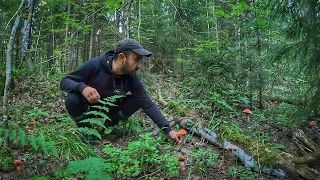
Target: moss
177 108
6 160
264 152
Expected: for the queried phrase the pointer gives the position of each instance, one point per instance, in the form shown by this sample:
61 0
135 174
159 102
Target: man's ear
122 57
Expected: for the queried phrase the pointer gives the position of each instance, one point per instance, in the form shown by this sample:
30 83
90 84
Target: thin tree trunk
139 22
8 71
91 39
216 27
67 40
208 24
17 52
26 33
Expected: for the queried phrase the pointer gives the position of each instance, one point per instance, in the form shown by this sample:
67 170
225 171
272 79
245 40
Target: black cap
133 45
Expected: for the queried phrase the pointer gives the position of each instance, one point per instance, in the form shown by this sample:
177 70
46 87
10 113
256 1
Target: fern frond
101 114
21 137
32 141
94 121
94 167
52 148
106 109
6 133
12 135
108 101
41 143
89 131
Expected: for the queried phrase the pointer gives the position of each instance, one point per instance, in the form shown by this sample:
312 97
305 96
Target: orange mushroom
182 164
182 132
247 112
18 164
33 123
181 158
175 92
230 147
313 123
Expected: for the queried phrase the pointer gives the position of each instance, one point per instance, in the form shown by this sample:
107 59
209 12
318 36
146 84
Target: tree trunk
8 71
91 39
26 33
67 42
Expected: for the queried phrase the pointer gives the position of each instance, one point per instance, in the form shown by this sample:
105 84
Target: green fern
94 167
98 113
12 135
32 141
106 109
37 143
41 143
52 148
21 137
6 133
94 121
90 131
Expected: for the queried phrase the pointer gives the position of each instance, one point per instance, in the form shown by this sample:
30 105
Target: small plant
21 138
37 114
140 155
203 159
99 117
239 172
94 168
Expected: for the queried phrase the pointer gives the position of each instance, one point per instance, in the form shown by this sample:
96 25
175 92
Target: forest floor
41 99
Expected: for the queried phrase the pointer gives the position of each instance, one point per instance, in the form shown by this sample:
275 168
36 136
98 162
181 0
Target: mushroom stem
248 117
18 170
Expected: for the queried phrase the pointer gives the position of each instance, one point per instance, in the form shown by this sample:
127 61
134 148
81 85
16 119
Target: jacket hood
106 60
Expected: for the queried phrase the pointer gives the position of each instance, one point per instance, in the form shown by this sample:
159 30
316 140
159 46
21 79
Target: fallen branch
246 159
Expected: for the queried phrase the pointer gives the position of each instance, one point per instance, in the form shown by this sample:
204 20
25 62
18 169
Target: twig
22 2
149 174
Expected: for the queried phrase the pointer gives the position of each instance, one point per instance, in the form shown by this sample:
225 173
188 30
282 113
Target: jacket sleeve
76 81
149 107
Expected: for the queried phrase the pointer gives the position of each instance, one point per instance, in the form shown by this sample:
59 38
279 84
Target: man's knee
72 100
75 104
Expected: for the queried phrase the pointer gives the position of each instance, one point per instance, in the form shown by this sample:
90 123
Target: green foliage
99 117
21 139
239 172
203 159
37 114
6 160
176 108
140 155
38 178
95 168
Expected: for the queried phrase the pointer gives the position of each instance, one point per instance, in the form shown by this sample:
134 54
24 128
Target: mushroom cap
182 131
33 120
17 162
247 111
230 147
181 158
313 123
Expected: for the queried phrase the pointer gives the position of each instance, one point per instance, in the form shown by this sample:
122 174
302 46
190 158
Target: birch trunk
8 71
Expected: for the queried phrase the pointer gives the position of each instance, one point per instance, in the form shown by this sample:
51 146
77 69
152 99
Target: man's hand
175 136
91 94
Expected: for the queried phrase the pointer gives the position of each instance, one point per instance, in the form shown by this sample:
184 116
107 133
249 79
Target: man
114 73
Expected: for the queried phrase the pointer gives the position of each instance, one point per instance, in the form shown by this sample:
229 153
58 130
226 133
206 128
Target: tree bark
26 33
91 39
8 70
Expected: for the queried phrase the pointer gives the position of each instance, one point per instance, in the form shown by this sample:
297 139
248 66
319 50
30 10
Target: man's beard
125 69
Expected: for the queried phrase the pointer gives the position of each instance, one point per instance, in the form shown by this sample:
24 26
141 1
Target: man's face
131 64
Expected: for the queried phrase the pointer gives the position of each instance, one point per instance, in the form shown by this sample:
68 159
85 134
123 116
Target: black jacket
97 73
